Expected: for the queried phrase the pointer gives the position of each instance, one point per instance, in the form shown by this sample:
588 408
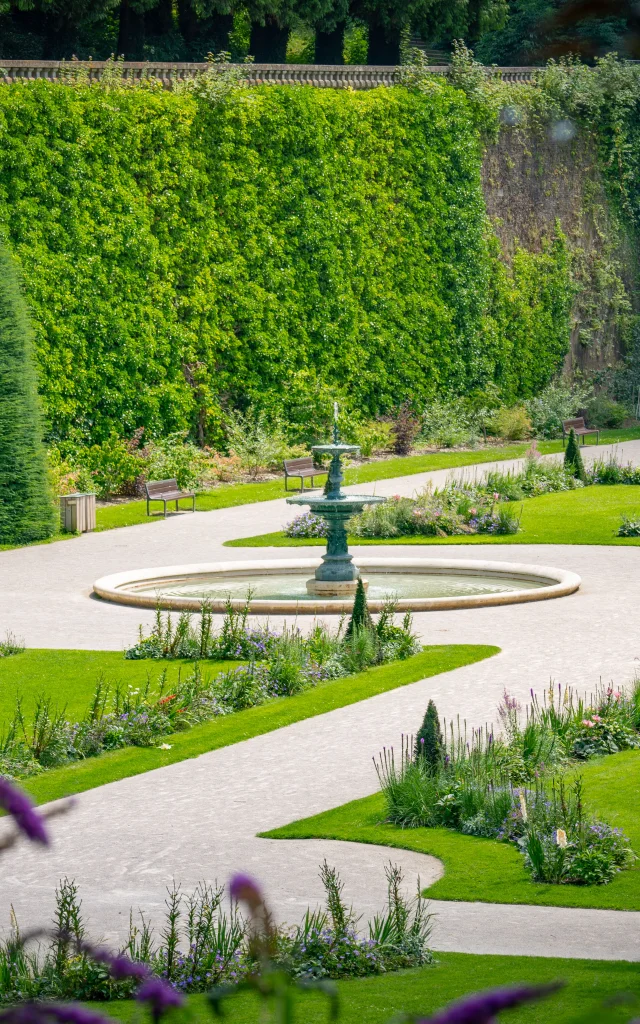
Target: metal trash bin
77 513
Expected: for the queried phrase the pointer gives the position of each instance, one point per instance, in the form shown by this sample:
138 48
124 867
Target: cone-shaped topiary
429 742
573 459
360 616
26 508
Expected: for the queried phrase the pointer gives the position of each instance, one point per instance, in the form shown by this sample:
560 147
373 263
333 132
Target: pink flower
588 723
472 511
495 495
597 718
396 497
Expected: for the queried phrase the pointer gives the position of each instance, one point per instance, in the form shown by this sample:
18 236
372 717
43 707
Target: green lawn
587 516
490 872
420 992
30 677
70 677
228 495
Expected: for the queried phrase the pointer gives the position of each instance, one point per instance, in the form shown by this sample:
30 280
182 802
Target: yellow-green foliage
276 248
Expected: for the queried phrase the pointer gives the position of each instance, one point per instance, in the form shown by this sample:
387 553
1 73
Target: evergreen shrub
573 463
26 509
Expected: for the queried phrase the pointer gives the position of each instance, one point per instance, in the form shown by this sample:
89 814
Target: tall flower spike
19 806
120 966
51 1013
483 1007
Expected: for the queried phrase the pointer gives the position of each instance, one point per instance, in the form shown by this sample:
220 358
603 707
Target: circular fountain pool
279 587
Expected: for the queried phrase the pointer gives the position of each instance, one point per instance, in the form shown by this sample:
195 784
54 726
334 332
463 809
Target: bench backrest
156 487
293 466
576 424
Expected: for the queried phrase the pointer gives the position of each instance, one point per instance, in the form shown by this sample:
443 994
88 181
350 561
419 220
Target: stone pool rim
556 583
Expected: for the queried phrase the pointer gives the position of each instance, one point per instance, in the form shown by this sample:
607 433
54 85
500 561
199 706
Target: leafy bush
372 436
448 424
511 424
175 457
257 444
604 412
115 466
629 527
558 401
307 525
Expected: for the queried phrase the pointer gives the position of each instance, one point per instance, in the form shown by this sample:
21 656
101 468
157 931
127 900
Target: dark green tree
272 21
26 509
573 459
330 30
429 748
360 616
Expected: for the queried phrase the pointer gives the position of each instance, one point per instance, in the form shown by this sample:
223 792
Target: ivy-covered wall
277 249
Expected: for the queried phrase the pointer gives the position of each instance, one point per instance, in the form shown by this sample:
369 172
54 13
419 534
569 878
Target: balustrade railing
330 76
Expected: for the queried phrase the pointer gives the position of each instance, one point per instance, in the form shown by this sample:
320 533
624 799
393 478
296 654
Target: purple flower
159 995
483 1007
19 806
44 1013
243 887
120 966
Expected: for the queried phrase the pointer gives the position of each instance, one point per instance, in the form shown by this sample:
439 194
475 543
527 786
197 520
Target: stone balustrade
330 76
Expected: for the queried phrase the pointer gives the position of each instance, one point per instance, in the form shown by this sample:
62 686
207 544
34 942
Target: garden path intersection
125 841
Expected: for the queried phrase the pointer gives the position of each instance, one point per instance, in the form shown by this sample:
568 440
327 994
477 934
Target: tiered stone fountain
337 575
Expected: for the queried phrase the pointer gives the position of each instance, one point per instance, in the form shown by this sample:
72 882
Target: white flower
561 838
164 746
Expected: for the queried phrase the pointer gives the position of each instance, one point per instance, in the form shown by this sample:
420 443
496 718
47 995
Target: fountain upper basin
279 586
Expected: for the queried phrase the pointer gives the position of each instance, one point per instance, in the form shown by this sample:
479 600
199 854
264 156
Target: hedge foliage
275 250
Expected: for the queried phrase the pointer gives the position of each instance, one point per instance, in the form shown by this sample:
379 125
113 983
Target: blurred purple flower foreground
483 1007
19 806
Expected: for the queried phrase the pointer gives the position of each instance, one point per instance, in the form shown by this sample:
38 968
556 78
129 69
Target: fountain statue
336 576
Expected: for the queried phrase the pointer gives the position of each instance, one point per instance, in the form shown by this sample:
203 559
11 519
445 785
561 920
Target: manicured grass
419 992
69 678
491 872
229 495
222 732
588 516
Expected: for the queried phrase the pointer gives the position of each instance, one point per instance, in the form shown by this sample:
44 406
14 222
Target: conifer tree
573 459
360 616
26 509
429 742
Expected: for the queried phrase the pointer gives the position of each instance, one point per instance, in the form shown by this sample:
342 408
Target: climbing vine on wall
285 243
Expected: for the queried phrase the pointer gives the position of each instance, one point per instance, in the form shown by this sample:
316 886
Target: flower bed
521 787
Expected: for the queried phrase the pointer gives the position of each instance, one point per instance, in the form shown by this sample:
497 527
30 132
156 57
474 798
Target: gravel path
123 843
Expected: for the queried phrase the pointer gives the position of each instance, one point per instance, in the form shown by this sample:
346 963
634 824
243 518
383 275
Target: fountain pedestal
337 575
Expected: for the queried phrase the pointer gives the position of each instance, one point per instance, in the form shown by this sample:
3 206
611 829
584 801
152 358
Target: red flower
165 700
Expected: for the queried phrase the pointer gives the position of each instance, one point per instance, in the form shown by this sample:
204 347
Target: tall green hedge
26 511
274 250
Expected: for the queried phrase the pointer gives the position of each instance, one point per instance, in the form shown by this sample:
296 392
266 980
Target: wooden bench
164 491
300 469
579 429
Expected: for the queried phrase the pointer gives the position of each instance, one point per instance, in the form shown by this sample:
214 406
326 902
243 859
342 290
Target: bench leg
194 504
165 508
147 506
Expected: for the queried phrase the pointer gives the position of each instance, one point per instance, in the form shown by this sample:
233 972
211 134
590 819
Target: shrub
372 436
307 525
573 459
115 466
429 742
558 401
258 444
604 412
26 509
176 457
360 617
511 424
448 424
405 427
629 527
